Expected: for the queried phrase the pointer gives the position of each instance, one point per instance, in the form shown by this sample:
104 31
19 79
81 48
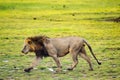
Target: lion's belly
62 46
62 53
62 49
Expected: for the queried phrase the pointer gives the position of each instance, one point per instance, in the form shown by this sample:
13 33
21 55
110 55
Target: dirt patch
110 19
113 49
114 19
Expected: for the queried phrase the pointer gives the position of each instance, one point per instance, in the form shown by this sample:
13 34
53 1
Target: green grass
90 19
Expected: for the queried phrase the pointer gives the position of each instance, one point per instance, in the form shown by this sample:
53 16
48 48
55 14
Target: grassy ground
91 19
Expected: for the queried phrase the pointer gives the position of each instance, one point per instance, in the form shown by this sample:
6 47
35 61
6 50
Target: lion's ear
46 40
29 42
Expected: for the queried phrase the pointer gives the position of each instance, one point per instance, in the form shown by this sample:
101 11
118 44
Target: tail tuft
99 63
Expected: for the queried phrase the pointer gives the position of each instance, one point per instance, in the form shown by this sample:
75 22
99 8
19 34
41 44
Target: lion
44 46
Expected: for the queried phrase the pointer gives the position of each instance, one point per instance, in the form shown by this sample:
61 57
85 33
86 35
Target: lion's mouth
25 52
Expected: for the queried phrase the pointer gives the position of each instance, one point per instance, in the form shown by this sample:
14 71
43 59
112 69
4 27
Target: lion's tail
91 51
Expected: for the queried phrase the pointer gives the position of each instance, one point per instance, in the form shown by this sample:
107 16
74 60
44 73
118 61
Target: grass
85 18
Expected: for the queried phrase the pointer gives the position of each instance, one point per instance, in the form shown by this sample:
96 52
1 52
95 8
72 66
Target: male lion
43 46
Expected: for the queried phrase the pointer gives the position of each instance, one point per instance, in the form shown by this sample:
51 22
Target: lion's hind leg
85 57
75 60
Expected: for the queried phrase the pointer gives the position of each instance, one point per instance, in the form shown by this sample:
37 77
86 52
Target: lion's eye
29 42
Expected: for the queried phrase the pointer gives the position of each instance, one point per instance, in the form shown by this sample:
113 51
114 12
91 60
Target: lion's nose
22 51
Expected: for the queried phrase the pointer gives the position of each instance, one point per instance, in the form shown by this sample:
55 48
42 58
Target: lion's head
33 44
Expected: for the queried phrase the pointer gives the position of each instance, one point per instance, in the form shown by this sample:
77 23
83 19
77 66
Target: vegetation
96 21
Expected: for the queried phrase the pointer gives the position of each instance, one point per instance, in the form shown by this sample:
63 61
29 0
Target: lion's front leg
34 63
58 63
